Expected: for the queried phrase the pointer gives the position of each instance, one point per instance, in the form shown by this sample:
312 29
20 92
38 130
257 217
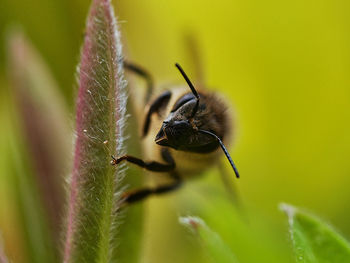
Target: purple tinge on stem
100 109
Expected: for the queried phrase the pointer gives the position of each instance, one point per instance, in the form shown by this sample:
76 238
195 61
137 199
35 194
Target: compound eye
182 101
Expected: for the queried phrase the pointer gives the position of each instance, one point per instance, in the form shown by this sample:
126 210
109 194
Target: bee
188 141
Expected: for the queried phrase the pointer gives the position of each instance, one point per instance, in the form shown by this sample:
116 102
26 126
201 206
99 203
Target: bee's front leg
148 165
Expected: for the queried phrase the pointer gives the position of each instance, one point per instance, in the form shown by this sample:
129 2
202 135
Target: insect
189 139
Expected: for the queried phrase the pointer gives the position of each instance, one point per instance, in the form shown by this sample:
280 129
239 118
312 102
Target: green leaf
38 244
314 240
41 118
92 221
44 123
211 241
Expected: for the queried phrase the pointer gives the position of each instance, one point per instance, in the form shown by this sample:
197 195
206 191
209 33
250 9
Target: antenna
191 87
224 149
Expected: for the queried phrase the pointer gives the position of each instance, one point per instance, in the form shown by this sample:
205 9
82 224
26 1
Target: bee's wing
232 191
194 53
229 184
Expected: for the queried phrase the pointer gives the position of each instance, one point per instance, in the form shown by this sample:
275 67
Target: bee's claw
114 160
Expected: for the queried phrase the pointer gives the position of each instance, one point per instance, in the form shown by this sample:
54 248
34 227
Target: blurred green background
284 66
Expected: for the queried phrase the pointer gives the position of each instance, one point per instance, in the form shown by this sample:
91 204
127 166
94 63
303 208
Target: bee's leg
156 106
144 74
149 165
140 194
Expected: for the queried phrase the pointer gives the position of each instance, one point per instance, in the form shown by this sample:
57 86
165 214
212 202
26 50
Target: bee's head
179 131
175 134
